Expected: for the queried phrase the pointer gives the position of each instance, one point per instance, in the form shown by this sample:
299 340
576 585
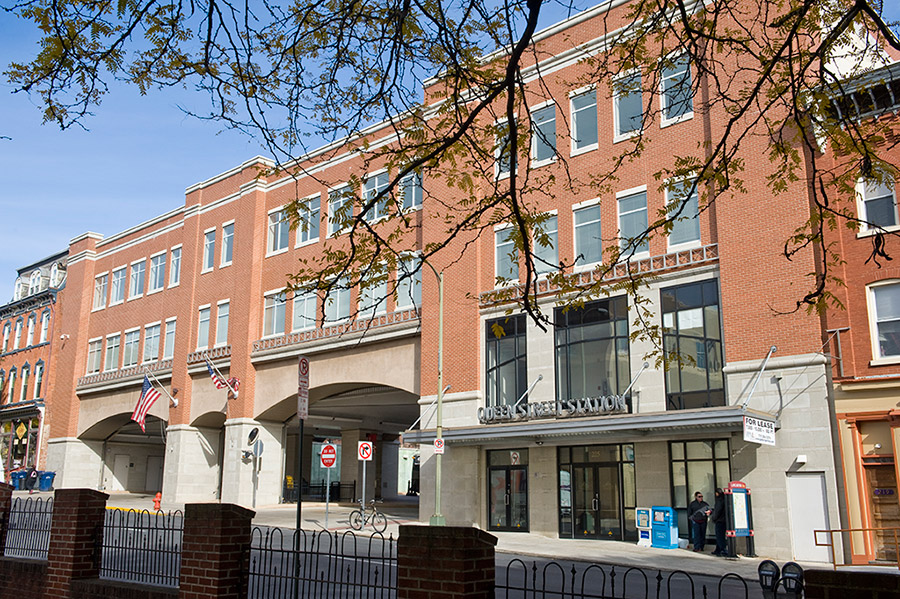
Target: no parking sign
439 446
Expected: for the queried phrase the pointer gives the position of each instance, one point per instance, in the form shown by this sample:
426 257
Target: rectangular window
45 326
697 466
677 96
279 229
273 316
304 311
337 302
169 347
543 135
340 209
878 206
633 223
23 391
117 292
11 386
588 244
503 151
112 353
100 284
884 306
372 297
584 121
203 328
157 272
29 335
628 106
138 270
209 250
310 217
411 189
94 352
130 348
17 340
506 360
506 256
686 228
409 282
692 346
38 380
592 349
151 342
373 186
222 324
227 243
546 257
175 270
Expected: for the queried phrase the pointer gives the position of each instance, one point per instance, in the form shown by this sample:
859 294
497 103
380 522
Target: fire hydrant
156 501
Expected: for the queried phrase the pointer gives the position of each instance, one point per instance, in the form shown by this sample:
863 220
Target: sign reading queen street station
587 406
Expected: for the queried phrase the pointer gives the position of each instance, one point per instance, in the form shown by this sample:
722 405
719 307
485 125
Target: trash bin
18 479
46 480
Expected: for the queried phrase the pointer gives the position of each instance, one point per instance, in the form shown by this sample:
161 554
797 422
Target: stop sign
328 456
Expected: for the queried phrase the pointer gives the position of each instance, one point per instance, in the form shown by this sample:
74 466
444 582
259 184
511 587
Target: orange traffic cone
156 501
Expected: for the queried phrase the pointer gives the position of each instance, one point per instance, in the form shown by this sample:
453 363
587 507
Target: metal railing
322 564
340 492
887 535
28 535
141 547
552 580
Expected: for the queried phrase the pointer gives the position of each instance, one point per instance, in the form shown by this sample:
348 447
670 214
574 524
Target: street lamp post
437 519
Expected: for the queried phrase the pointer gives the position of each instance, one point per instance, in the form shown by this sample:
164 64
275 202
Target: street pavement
406 511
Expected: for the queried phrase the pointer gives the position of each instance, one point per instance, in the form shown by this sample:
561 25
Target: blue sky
134 162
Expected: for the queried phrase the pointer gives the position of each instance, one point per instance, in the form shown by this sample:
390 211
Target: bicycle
359 518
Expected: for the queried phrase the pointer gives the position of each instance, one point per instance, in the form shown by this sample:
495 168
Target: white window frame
575 250
99 342
405 298
376 214
45 326
512 281
378 305
408 186
200 310
219 304
573 150
513 155
131 294
306 217
273 294
112 299
309 295
535 248
341 291
686 244
137 346
171 324
877 358
175 273
100 306
624 194
150 288
535 138
344 187
17 335
149 356
270 231
24 373
34 282
7 331
227 242
666 122
209 251
619 136
864 229
118 337
29 333
38 380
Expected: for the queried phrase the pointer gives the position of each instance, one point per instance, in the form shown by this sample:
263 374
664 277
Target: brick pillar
216 538
5 505
444 562
77 525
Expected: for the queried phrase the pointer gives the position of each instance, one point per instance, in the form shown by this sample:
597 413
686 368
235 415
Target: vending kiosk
642 523
664 527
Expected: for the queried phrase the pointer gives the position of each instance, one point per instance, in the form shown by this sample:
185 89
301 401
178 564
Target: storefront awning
726 419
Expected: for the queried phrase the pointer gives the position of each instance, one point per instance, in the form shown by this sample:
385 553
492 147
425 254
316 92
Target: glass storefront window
508 490
697 466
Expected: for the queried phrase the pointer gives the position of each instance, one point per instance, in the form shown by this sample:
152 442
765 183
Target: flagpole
161 386
221 376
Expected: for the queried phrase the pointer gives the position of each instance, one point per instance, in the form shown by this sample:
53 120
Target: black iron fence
141 546
28 534
322 564
552 580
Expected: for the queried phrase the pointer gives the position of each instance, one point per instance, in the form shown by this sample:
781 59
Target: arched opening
132 460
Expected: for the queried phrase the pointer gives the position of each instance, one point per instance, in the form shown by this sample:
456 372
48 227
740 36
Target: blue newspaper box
664 527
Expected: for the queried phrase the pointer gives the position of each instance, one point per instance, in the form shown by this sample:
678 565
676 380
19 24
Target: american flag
148 395
218 381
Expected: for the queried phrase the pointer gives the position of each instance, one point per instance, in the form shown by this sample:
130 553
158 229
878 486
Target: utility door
808 512
121 465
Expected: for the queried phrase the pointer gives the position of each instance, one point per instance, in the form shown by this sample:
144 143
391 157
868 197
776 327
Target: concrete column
252 480
193 460
446 562
350 468
216 539
77 525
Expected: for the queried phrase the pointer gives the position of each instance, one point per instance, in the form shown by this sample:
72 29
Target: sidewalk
405 511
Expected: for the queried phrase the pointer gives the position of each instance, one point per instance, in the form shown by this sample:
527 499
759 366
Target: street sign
328 456
364 451
303 389
438 446
514 458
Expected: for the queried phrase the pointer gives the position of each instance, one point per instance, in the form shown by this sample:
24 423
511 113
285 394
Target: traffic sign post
364 453
439 446
328 458
302 414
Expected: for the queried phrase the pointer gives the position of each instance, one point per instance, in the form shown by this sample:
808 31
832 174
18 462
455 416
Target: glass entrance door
596 493
586 501
508 491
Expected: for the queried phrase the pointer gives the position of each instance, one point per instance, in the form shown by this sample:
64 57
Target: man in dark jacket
698 515
718 518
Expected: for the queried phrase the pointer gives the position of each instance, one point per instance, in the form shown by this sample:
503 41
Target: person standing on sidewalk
718 518
698 514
